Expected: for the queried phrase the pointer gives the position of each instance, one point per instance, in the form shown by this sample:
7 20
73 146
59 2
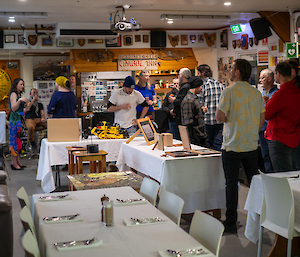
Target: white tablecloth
254 202
55 153
198 180
118 240
2 128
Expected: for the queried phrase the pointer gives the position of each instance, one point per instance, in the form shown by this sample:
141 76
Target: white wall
207 56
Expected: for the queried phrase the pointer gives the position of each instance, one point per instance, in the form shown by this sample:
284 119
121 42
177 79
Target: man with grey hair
184 75
266 79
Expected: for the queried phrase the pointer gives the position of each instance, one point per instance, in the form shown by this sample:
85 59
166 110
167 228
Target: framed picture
20 39
9 38
113 42
145 38
127 40
137 38
201 38
47 41
12 65
64 42
184 40
92 41
146 127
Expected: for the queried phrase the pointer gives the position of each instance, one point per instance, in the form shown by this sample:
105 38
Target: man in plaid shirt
192 114
211 92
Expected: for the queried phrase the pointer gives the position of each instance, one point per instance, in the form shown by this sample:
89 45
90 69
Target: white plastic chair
27 221
207 230
23 198
171 205
278 210
149 189
30 245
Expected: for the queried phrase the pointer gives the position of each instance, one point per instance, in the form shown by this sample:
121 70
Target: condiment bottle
103 199
108 213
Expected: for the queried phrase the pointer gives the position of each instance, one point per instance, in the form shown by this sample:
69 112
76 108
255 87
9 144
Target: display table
198 180
118 240
254 202
2 128
105 180
56 153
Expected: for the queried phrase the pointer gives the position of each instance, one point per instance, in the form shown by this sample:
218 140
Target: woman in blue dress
17 103
148 93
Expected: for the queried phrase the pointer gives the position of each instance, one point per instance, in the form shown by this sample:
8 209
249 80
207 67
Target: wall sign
292 50
137 65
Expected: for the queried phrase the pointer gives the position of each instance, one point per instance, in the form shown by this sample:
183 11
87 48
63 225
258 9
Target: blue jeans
214 136
131 130
264 145
283 157
231 165
174 130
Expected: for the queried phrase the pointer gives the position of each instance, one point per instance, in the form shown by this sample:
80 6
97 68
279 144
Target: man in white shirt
123 102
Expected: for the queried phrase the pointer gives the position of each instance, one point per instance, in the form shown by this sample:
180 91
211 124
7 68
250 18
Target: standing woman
148 93
63 103
16 105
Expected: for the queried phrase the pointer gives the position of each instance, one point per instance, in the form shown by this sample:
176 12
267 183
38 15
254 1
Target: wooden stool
71 149
82 156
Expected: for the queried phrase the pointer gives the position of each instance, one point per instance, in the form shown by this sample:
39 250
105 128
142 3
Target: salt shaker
108 213
103 199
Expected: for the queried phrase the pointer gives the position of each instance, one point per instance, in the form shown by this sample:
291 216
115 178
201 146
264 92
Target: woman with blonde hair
17 105
148 93
63 103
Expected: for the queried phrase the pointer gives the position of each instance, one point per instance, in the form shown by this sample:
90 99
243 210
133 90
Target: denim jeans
214 136
131 130
231 164
283 157
174 130
264 145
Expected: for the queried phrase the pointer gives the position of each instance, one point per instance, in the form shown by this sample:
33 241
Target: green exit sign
236 28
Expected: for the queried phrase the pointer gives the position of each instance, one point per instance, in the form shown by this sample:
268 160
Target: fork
73 217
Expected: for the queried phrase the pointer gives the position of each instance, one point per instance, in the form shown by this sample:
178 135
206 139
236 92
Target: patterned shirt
211 93
242 105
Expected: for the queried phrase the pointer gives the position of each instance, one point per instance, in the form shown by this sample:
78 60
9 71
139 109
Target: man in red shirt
283 129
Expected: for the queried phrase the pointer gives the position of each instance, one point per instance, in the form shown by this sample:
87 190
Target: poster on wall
224 66
263 58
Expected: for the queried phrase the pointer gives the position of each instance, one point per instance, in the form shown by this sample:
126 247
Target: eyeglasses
175 83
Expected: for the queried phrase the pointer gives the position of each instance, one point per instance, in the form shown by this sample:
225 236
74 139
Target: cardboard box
168 139
64 130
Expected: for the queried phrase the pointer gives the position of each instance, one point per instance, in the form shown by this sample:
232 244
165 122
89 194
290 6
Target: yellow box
64 130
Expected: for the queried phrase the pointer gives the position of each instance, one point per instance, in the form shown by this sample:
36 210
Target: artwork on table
145 38
47 41
184 40
65 42
20 39
113 42
201 38
137 38
146 127
9 38
93 41
174 40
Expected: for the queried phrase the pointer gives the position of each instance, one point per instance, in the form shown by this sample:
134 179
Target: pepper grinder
103 199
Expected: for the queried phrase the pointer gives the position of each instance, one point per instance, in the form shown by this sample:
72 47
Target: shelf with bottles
160 72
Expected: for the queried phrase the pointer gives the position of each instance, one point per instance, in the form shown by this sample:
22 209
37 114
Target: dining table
56 153
198 180
254 204
86 234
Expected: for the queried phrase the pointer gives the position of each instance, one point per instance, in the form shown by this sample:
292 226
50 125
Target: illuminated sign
236 28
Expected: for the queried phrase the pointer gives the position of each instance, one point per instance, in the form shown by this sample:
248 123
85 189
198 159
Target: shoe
14 168
23 166
229 229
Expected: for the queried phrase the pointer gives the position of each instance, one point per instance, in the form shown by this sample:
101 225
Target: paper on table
120 202
143 221
54 198
72 245
61 219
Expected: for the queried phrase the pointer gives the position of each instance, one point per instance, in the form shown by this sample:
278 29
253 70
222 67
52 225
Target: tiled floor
231 245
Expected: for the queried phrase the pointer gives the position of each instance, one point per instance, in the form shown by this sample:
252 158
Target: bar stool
81 156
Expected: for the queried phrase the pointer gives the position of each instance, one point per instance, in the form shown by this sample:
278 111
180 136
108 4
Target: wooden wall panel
92 66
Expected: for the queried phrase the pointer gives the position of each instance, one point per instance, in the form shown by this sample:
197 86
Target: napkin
61 219
197 251
143 221
130 202
73 245
54 198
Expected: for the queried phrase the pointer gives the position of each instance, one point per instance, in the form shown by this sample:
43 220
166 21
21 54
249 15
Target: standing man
168 107
35 116
192 114
211 93
266 79
283 129
184 75
241 109
123 103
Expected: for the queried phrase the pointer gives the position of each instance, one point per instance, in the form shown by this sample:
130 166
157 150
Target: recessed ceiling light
170 21
227 3
11 20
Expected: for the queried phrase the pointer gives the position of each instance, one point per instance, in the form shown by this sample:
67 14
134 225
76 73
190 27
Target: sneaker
33 146
229 229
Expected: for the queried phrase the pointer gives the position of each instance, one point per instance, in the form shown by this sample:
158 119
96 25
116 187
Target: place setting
61 219
122 202
184 253
78 244
50 198
143 221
